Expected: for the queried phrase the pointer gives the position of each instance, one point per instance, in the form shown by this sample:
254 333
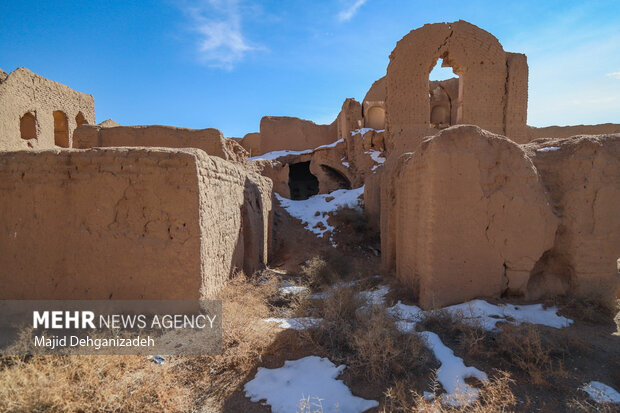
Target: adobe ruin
38 113
469 201
128 223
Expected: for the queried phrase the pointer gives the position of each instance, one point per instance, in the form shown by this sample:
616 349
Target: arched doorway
61 129
28 126
376 118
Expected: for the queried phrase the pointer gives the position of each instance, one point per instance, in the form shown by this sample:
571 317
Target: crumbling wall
276 171
126 223
27 106
212 141
282 132
349 118
582 176
484 89
516 98
467 216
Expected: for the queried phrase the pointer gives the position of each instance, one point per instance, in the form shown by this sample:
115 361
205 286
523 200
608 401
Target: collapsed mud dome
429 214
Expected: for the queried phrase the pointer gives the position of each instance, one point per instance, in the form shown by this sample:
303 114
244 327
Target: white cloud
614 75
593 101
218 23
348 13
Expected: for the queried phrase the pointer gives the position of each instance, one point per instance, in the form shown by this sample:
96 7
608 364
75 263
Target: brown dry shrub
366 339
317 272
133 383
353 229
245 337
245 303
381 352
91 384
521 347
470 337
537 355
597 308
334 266
588 406
495 396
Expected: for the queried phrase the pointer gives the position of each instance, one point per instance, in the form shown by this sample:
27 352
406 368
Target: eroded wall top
485 88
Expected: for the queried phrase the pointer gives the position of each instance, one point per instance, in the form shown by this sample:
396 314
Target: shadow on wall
340 181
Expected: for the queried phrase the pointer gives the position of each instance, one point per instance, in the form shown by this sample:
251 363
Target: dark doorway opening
301 182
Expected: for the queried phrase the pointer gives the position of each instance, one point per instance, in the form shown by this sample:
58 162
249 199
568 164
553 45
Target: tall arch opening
28 126
80 119
61 129
301 182
376 118
444 96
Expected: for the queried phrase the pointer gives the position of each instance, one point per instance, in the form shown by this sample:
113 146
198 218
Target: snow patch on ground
453 372
311 378
375 297
301 323
313 212
601 393
548 149
488 315
410 314
292 290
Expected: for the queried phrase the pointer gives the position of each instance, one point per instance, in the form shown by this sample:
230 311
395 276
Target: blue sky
227 63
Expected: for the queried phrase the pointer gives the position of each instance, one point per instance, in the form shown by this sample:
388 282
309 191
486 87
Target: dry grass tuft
539 356
317 272
245 303
91 384
519 347
334 266
598 308
588 406
366 339
471 338
134 383
495 396
355 224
